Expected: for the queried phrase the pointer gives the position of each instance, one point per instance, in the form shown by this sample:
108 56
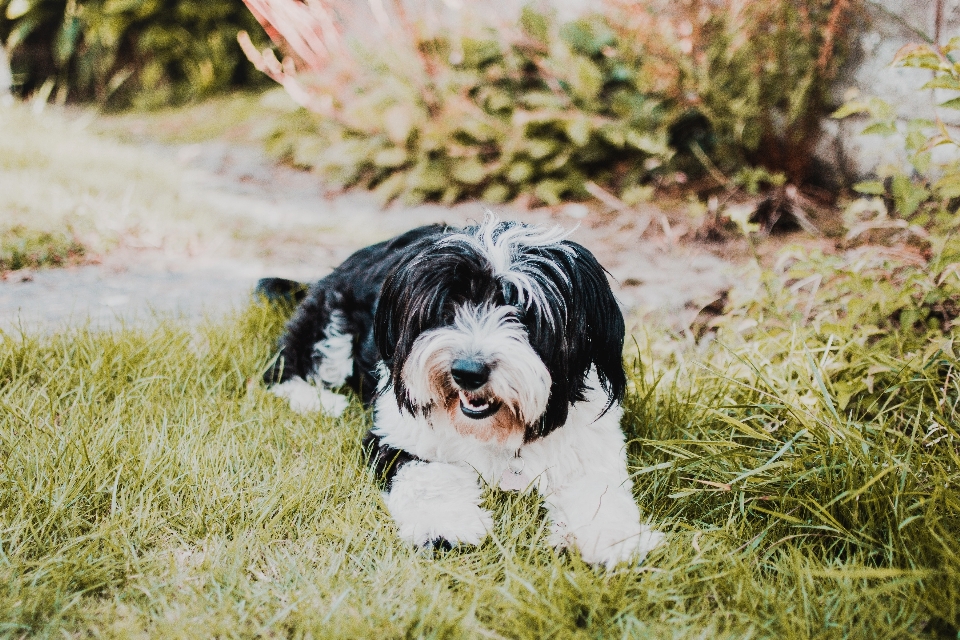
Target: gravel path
296 230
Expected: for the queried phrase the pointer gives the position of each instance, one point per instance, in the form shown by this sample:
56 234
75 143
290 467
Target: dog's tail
281 290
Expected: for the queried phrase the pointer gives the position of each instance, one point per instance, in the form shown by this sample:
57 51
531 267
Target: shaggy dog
490 353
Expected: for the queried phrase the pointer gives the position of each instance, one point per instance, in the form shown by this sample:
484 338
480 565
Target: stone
890 25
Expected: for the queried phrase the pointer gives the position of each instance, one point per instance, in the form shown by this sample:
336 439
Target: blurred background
169 153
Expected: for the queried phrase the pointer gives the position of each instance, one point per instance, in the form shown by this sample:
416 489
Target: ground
250 217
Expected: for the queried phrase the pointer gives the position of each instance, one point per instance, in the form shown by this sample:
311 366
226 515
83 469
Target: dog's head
499 326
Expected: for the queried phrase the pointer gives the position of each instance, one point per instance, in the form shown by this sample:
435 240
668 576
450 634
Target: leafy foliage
21 248
541 110
927 192
624 99
760 74
139 52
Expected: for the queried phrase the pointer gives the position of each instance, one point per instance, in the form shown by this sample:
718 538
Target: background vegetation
637 97
127 52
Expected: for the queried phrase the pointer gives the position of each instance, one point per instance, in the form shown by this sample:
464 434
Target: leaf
850 108
948 186
921 162
496 193
549 191
614 134
428 177
578 130
588 37
390 188
557 162
951 104
883 129
477 53
66 42
916 55
644 142
519 172
17 8
585 79
498 100
907 195
943 81
870 187
534 24
539 149
468 171
391 157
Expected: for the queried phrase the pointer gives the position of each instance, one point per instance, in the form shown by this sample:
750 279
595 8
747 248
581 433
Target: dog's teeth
470 403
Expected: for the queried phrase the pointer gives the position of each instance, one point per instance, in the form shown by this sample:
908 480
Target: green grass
150 487
64 188
243 117
57 177
21 248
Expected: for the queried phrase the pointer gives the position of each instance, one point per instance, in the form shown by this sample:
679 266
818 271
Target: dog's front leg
437 504
599 517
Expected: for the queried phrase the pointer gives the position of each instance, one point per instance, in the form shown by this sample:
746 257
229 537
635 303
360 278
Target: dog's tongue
466 401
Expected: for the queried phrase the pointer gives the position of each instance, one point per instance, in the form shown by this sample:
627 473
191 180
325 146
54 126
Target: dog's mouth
477 407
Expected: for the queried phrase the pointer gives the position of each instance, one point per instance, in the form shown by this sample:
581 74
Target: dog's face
498 326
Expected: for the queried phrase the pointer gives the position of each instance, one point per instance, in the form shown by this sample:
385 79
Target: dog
490 353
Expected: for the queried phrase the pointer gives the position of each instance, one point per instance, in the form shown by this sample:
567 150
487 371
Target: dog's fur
490 353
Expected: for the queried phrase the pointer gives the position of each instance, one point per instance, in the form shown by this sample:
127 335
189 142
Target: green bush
613 98
926 192
541 110
127 52
22 248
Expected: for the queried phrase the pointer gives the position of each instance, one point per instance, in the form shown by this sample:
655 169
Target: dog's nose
469 374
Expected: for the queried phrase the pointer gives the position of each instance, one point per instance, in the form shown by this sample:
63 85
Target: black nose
469 374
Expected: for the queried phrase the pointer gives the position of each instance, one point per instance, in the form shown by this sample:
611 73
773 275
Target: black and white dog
490 353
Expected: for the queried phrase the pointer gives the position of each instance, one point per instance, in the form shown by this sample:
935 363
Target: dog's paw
333 404
435 501
305 398
608 543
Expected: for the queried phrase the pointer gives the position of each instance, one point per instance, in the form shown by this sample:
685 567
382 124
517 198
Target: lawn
803 456
806 473
69 193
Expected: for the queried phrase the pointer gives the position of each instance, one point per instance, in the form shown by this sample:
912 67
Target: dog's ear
582 328
598 323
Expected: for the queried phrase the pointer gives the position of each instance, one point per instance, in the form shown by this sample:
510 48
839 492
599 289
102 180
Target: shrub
623 98
539 109
127 52
927 192
21 248
760 74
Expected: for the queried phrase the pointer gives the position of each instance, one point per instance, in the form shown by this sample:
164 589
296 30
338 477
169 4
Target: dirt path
291 228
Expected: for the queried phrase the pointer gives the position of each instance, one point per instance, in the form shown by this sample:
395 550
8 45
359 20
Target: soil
295 229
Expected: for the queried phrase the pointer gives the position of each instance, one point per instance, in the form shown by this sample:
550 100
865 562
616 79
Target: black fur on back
353 289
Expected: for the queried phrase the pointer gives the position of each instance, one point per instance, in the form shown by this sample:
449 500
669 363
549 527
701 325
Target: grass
21 248
68 191
150 487
242 117
58 178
